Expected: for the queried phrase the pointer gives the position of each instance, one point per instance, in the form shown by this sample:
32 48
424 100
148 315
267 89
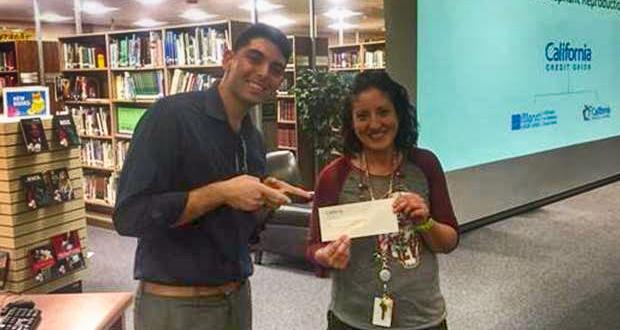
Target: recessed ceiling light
195 14
148 22
53 17
261 6
150 2
276 20
338 13
96 8
342 26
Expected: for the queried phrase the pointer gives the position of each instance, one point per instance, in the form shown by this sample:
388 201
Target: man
190 190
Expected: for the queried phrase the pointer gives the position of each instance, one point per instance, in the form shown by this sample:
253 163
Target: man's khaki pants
229 312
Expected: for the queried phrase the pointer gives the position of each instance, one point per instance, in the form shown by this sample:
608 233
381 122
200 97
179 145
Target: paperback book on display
33 134
60 188
66 132
36 191
68 252
43 263
47 188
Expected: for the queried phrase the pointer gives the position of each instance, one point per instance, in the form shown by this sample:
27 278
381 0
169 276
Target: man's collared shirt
184 142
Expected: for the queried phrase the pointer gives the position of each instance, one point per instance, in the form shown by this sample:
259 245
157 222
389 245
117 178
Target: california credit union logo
564 56
591 112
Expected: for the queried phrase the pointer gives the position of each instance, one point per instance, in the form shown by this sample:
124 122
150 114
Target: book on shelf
91 121
66 132
285 86
345 59
148 85
287 110
79 56
7 61
287 137
101 188
33 134
137 51
186 81
36 191
98 153
79 88
196 46
67 250
122 147
374 59
127 118
43 263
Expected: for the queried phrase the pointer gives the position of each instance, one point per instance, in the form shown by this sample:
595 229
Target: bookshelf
19 62
23 229
114 77
357 57
288 135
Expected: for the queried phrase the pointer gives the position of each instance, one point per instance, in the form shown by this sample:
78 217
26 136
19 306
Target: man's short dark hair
260 30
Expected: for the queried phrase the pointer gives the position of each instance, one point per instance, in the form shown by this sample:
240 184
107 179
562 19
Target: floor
556 267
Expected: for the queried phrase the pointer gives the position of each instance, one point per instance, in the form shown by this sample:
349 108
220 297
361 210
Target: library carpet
556 267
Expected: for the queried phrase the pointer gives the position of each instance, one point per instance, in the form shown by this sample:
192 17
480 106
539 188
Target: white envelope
357 219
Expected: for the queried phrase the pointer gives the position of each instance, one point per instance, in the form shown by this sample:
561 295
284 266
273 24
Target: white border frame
5 117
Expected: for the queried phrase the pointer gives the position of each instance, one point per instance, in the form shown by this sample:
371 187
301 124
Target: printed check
357 219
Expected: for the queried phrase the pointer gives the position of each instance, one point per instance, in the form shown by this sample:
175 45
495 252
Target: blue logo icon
526 120
591 112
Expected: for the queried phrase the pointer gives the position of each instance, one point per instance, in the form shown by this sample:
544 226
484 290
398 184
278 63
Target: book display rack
42 211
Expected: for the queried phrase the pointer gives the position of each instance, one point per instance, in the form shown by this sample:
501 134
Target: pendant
385 275
382 311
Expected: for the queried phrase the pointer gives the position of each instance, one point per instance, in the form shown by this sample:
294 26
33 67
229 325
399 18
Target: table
83 311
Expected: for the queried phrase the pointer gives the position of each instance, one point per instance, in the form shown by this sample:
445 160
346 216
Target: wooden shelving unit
22 229
288 135
98 211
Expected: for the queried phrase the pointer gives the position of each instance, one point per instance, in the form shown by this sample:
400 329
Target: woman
391 280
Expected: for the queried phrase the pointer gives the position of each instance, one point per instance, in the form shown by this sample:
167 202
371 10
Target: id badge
382 312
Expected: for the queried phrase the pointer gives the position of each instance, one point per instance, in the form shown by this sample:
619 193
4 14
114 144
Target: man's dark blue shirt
184 142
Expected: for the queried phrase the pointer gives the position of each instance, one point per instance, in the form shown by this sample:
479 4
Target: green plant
319 96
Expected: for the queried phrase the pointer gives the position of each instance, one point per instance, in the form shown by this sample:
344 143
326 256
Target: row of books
60 256
7 61
98 153
90 120
186 81
47 188
374 59
80 88
287 110
78 56
345 59
148 85
286 85
287 137
198 46
100 188
34 136
137 51
122 147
